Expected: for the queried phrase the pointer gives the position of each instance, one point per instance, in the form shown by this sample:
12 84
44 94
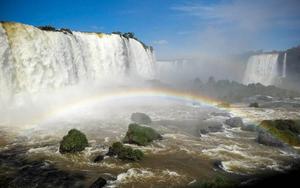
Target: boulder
125 152
286 130
217 164
140 135
115 149
210 126
99 158
74 141
141 118
266 138
234 122
254 105
100 182
225 114
249 127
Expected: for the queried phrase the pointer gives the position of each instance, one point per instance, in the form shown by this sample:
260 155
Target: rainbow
132 93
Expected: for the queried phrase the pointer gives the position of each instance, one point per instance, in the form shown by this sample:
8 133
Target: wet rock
234 122
225 114
125 152
100 182
254 105
21 172
287 131
99 158
141 118
217 164
115 149
140 135
74 141
210 126
249 127
266 138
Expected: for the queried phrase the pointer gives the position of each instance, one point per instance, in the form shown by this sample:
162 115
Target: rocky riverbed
198 144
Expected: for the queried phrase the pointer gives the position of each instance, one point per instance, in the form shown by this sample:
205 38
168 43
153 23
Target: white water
284 66
32 60
262 69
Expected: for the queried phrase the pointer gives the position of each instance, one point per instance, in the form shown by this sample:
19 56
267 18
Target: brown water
182 157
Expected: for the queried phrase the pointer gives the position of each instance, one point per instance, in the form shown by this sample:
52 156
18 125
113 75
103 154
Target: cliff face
32 59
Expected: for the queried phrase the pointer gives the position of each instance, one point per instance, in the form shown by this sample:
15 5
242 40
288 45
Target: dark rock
249 127
266 138
254 105
225 114
210 126
100 182
140 118
74 141
99 158
22 172
235 122
140 135
218 164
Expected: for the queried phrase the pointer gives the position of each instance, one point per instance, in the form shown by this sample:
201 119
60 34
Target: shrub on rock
74 141
285 130
125 152
254 105
140 135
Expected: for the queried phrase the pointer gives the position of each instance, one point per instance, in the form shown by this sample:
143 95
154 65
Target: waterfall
284 66
32 59
262 69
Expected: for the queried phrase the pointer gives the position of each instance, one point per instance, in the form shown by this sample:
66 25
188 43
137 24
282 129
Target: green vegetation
131 35
125 152
74 141
65 30
51 28
232 91
140 135
285 130
254 105
47 28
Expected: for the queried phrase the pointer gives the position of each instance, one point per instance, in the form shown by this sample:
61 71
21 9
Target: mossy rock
285 130
254 105
140 135
125 152
74 141
224 105
115 149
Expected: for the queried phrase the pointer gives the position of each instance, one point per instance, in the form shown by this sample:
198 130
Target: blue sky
176 28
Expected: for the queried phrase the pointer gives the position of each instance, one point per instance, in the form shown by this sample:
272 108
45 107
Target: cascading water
262 69
32 59
284 66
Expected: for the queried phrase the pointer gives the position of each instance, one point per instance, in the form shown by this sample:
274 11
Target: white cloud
160 42
249 15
